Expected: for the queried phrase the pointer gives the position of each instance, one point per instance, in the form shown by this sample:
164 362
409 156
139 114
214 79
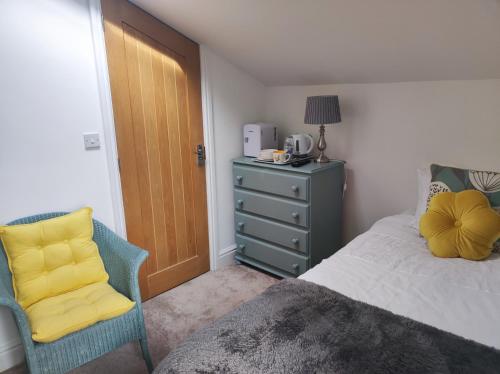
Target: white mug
281 157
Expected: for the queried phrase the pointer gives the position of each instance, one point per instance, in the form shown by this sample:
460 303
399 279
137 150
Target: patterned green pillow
446 178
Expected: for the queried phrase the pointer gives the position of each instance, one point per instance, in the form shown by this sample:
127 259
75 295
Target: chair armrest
7 300
122 261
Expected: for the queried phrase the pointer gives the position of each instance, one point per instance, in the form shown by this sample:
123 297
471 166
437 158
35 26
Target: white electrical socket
91 140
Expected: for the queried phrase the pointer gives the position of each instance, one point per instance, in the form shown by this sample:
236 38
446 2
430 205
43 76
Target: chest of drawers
287 219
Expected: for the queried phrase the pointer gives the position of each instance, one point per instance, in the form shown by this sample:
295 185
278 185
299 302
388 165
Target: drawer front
275 182
292 263
278 233
272 207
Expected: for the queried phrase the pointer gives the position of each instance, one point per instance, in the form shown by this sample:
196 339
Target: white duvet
390 266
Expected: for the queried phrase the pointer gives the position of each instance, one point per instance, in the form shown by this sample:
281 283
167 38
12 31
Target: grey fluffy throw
300 327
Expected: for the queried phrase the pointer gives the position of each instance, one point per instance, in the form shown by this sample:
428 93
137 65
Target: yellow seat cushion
52 257
56 316
460 225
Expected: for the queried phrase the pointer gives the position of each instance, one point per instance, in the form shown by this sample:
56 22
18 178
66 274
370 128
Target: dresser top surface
310 168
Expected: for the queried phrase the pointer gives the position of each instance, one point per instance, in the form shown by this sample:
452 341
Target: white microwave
258 136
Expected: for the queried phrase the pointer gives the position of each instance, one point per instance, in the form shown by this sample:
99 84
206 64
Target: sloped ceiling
288 42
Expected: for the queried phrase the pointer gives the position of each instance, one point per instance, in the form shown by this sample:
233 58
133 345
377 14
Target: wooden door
155 86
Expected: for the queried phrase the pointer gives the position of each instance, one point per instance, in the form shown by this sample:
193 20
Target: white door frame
104 87
210 173
106 104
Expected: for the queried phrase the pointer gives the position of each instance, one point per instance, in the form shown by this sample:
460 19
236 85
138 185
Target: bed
390 267
382 303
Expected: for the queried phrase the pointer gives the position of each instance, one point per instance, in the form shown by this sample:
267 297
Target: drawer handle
295 267
295 188
240 203
239 178
242 247
295 215
240 225
295 241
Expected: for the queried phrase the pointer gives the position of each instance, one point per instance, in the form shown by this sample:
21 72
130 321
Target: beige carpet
173 315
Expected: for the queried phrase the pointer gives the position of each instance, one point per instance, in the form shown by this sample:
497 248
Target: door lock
200 153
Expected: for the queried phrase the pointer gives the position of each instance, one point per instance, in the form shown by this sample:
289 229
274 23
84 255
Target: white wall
235 98
388 130
48 98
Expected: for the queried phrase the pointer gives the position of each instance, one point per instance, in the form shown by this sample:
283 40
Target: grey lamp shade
322 110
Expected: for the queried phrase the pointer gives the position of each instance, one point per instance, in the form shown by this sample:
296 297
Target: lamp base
322 146
322 158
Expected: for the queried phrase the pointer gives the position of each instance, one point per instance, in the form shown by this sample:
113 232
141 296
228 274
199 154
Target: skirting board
11 355
226 256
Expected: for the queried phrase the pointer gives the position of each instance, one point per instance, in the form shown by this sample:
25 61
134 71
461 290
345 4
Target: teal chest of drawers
287 219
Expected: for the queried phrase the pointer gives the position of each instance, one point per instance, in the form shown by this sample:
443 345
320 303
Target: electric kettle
302 144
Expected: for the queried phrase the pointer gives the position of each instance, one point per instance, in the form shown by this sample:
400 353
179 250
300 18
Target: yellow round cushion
460 225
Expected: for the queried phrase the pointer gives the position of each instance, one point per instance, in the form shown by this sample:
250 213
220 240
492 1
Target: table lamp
322 110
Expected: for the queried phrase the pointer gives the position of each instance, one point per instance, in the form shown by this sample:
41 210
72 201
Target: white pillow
423 181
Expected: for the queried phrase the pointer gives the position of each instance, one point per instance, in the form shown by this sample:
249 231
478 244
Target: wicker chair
122 261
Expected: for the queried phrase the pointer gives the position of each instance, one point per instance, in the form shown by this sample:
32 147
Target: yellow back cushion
460 225
53 256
